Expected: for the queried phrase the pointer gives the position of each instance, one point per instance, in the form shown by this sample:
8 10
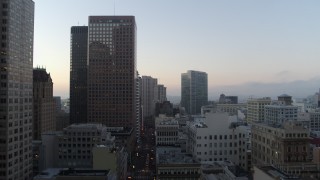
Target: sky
248 47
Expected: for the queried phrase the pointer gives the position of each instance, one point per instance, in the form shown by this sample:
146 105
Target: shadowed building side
43 103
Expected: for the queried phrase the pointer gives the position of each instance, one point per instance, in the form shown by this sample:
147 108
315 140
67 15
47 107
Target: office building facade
16 55
78 74
194 91
112 71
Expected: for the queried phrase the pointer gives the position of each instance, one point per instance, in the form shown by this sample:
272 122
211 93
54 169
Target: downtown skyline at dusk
245 47
195 90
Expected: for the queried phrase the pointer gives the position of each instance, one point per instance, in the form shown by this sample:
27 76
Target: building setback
16 58
194 91
112 70
43 103
78 74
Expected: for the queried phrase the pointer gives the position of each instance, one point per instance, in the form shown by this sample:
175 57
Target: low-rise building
217 139
74 174
279 113
72 147
172 164
285 147
166 131
224 170
114 160
231 109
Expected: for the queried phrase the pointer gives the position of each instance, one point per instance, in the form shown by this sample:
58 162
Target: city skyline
234 42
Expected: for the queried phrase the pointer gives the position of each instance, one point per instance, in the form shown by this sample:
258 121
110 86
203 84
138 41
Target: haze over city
248 48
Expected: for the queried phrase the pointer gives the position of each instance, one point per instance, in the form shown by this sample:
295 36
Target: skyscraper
148 95
78 74
112 71
194 91
44 106
161 93
16 54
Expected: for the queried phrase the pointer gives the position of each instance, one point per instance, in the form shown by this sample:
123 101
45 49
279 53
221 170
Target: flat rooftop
83 172
175 158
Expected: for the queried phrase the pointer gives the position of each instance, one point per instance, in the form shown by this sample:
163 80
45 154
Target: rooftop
169 122
41 75
83 172
275 173
285 95
175 158
48 173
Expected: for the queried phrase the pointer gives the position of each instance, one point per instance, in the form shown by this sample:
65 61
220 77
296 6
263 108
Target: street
144 160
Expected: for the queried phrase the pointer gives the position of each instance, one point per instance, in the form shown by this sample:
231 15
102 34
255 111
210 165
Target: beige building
255 109
231 109
316 155
284 147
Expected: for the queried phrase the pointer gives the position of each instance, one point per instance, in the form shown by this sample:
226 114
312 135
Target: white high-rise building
16 55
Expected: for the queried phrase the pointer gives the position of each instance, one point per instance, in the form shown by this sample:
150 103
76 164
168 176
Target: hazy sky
237 42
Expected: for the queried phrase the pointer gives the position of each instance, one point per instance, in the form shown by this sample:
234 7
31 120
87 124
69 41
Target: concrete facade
217 139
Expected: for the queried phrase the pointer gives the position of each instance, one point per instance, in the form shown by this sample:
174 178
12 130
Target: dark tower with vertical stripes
78 74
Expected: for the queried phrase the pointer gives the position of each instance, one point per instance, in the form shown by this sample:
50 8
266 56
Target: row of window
215 137
225 152
220 144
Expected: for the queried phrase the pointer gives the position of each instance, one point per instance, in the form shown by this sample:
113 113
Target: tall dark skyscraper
112 71
44 107
16 54
78 74
194 91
